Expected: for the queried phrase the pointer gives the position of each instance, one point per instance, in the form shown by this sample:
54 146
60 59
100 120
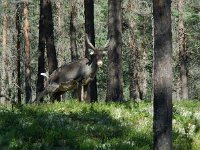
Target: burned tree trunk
50 46
49 35
46 41
89 29
41 52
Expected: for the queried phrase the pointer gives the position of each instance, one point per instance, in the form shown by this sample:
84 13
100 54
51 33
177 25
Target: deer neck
93 66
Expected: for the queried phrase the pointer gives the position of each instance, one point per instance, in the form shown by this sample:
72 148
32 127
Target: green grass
75 125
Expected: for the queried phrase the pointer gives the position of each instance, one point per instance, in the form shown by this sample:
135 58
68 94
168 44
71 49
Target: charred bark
49 35
41 53
89 29
46 41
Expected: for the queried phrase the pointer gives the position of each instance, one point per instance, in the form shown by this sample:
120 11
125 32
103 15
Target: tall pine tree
162 75
115 78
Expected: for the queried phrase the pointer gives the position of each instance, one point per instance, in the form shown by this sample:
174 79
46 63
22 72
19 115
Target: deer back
72 71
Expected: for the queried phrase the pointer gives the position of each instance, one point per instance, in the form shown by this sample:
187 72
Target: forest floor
76 125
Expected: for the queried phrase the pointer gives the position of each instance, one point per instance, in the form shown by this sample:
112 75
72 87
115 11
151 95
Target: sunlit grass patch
186 125
78 125
75 125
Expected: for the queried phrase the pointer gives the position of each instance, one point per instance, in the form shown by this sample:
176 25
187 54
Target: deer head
97 53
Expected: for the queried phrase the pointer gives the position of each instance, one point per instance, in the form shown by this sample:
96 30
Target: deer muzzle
100 63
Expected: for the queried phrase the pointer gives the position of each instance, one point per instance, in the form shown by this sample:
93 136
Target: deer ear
107 44
91 52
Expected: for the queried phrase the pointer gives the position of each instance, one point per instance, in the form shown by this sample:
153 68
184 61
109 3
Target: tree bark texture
143 61
115 78
135 90
138 74
137 57
27 54
143 70
73 45
5 60
41 52
18 28
162 75
49 35
89 29
182 52
59 14
46 41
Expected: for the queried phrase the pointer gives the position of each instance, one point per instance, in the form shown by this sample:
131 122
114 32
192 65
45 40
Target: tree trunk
143 85
133 57
137 57
115 78
178 89
138 75
59 14
27 53
135 91
50 46
41 52
18 28
4 74
134 66
182 52
162 76
73 45
49 39
89 29
143 62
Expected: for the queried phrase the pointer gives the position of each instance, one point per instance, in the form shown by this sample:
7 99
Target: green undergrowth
77 125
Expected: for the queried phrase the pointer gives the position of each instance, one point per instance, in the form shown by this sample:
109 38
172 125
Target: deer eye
104 52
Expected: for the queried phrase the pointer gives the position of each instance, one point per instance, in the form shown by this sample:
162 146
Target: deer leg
84 93
41 95
87 93
80 92
83 90
55 96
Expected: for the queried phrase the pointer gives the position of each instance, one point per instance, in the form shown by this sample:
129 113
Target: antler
89 43
107 44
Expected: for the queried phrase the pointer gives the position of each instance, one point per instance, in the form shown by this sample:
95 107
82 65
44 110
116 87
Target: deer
74 75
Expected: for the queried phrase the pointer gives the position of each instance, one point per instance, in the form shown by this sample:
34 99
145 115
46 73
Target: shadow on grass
27 128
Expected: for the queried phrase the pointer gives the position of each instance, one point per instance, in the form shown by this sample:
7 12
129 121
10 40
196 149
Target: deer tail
45 75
